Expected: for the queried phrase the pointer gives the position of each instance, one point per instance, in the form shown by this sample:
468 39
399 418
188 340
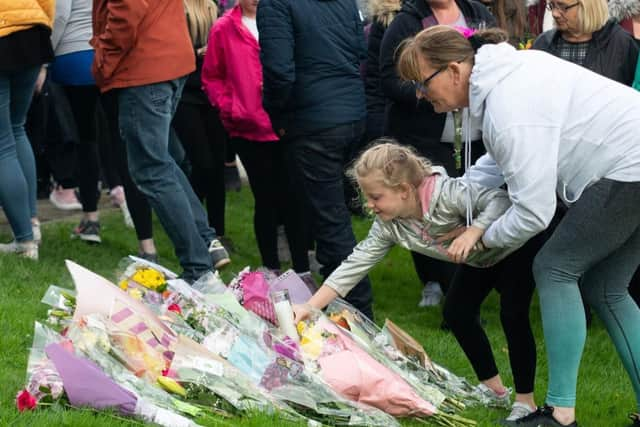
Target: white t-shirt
251 25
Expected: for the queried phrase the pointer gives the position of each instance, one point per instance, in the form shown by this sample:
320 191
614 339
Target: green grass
604 392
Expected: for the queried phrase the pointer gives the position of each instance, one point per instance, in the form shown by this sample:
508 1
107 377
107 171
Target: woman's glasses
561 7
423 86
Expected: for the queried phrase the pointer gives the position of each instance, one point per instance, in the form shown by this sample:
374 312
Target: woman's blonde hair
397 163
592 15
201 14
440 45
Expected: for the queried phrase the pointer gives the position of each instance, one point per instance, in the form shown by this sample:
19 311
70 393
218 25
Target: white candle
284 313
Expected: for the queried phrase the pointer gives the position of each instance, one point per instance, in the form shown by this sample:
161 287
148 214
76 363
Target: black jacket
372 85
408 119
311 52
612 52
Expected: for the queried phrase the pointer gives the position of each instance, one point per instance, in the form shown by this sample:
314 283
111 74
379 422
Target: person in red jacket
143 51
232 79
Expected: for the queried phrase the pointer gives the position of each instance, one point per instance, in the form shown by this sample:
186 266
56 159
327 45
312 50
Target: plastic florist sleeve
424 377
353 373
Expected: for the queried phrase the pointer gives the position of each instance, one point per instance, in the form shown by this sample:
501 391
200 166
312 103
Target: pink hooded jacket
232 78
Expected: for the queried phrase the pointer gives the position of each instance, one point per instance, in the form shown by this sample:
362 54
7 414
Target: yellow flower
150 278
124 285
172 386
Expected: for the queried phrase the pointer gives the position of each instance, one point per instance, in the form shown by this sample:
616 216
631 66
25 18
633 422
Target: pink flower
25 401
175 308
466 32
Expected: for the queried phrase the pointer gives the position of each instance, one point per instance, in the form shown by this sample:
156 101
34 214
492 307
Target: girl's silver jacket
447 211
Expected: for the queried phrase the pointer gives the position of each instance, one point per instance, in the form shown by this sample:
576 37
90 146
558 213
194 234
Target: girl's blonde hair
201 14
397 163
441 45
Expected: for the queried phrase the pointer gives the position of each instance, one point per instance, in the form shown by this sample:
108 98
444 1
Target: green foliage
604 392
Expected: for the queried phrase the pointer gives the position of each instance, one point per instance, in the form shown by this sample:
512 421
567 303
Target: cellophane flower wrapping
355 374
63 303
268 360
43 380
433 382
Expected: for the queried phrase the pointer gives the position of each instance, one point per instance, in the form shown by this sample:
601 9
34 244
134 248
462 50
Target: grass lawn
604 392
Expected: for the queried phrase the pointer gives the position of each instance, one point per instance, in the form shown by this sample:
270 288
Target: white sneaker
65 199
25 249
128 221
37 233
431 295
519 410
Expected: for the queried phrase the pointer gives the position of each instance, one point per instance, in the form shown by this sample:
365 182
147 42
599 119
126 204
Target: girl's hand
301 312
460 248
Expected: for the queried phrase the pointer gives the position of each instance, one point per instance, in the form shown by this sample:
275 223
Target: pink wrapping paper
357 376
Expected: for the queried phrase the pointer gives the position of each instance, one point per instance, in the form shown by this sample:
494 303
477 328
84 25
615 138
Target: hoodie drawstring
467 165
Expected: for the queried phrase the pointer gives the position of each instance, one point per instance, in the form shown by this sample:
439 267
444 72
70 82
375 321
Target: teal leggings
598 244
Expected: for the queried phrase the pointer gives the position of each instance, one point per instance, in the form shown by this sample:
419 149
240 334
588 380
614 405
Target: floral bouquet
272 363
142 280
428 378
58 376
356 375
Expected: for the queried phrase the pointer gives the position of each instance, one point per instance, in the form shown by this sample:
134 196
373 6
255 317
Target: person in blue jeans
312 90
24 47
143 51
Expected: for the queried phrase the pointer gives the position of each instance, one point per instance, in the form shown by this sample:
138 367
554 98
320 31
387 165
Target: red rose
175 308
25 401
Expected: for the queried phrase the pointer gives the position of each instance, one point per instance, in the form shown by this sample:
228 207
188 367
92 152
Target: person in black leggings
513 279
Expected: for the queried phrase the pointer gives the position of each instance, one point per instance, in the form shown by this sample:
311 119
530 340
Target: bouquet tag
405 343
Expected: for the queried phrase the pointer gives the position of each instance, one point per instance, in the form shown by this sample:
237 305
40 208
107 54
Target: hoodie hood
623 9
493 63
384 11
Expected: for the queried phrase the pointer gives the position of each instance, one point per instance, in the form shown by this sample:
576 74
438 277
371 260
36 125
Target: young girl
420 208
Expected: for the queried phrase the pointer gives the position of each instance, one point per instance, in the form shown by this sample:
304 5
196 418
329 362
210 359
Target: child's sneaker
636 420
493 399
541 417
519 410
25 249
431 295
88 231
219 255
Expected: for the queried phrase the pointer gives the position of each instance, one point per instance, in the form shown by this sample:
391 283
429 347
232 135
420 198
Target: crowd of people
498 166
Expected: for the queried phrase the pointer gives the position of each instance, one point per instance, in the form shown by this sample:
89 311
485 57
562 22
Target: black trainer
88 231
636 420
541 417
219 255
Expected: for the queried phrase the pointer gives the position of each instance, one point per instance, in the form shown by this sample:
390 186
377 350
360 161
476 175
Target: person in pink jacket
232 79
